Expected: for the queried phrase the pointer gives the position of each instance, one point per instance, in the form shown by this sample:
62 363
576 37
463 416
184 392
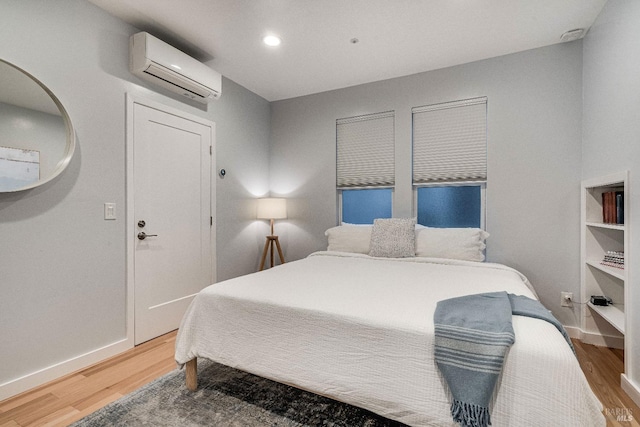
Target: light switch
109 211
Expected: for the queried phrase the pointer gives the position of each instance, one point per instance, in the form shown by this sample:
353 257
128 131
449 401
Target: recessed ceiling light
272 40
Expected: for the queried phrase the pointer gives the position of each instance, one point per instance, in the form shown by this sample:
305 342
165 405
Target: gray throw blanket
473 334
523 306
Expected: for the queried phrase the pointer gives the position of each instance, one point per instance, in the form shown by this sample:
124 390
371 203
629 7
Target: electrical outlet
566 299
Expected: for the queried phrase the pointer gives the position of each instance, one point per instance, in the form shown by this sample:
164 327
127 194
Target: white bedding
360 330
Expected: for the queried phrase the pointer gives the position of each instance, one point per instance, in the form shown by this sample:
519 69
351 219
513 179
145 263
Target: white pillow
455 243
349 238
393 238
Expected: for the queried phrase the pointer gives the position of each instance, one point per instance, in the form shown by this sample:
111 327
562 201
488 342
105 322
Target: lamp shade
272 208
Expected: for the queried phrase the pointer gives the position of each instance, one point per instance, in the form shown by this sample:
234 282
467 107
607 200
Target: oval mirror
36 137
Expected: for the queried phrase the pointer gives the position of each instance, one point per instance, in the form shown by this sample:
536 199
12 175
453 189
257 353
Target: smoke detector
572 35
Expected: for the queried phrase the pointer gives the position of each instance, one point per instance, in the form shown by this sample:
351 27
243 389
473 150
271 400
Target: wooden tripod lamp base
269 244
271 208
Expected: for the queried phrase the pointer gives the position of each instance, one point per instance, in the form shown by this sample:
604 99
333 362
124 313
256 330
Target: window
363 206
450 206
365 166
450 163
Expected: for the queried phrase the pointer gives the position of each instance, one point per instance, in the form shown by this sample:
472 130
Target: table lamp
271 208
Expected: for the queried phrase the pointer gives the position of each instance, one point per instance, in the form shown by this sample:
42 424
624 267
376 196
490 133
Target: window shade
450 142
365 151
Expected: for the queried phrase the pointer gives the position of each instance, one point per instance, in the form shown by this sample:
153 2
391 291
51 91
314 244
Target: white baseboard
595 339
574 332
34 379
632 389
603 340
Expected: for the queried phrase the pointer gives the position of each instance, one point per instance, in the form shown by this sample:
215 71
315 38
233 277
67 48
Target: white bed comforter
360 330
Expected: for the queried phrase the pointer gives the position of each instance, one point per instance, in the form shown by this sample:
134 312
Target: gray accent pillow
393 238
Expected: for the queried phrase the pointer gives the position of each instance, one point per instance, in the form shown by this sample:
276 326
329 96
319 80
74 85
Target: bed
359 329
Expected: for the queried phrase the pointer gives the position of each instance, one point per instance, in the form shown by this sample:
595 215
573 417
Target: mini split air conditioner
154 60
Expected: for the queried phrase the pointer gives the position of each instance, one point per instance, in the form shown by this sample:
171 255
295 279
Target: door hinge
211 150
211 221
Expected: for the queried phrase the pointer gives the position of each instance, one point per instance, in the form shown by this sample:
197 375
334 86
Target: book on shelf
619 207
613 207
613 259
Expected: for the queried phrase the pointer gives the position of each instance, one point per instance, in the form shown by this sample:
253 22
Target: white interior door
172 206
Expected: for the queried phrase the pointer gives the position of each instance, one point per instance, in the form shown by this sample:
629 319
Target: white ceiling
396 37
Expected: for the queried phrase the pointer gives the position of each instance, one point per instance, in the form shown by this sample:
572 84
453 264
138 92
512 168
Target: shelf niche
603 324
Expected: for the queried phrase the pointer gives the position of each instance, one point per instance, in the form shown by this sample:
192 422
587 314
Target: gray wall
611 131
62 267
533 190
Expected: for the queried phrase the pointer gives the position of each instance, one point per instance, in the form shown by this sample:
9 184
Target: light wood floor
602 366
74 396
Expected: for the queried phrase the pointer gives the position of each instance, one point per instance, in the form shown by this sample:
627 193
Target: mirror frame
70 134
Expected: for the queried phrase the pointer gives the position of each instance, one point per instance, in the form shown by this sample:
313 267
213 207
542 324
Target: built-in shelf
599 238
618 273
619 227
612 314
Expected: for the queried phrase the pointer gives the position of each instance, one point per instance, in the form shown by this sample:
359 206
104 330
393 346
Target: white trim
613 179
172 302
631 388
574 332
129 217
130 225
594 338
50 373
602 340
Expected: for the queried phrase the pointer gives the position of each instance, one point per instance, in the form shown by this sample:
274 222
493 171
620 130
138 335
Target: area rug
228 397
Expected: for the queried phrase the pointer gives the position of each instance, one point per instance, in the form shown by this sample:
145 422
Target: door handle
142 235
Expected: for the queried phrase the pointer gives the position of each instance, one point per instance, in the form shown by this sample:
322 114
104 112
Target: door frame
130 225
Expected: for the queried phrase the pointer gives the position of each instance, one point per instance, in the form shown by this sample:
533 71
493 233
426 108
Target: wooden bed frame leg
192 374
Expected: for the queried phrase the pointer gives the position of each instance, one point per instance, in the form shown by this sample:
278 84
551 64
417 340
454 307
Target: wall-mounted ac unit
156 61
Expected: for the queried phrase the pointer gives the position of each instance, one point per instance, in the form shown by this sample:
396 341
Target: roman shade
450 142
365 151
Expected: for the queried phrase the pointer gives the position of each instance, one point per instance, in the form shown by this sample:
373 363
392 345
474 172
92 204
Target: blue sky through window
449 206
363 206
